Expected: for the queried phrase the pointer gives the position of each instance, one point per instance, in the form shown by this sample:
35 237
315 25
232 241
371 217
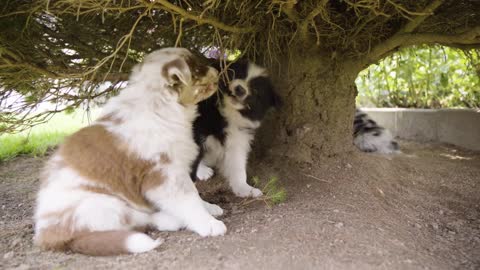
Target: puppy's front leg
179 197
234 169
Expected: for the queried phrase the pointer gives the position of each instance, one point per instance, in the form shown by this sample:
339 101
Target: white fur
180 199
255 71
213 209
204 172
380 144
166 222
153 123
139 242
232 157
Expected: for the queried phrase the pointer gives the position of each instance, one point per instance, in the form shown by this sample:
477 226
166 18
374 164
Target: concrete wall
456 126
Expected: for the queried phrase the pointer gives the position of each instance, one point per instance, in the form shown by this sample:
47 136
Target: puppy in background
227 122
368 136
130 168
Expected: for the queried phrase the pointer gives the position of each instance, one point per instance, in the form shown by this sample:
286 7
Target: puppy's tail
108 243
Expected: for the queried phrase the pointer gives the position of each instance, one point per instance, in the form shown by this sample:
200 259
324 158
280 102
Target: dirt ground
417 210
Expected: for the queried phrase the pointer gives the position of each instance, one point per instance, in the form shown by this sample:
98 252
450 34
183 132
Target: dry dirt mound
418 210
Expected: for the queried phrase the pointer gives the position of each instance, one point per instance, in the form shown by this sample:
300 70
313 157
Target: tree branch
469 37
306 22
215 23
412 25
291 13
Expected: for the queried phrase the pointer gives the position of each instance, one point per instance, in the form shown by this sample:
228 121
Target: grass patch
273 193
37 140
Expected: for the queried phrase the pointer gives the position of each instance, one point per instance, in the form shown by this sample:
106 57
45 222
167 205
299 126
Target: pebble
339 225
435 226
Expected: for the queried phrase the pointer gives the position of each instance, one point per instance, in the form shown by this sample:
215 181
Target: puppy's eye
239 91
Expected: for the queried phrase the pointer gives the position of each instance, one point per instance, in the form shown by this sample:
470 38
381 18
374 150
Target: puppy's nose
239 91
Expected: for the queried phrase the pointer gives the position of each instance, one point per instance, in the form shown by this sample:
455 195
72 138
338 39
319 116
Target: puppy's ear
177 72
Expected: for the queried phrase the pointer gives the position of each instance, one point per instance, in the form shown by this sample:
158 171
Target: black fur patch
262 97
211 122
362 124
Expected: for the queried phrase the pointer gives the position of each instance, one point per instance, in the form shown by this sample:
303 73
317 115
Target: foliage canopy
62 50
422 77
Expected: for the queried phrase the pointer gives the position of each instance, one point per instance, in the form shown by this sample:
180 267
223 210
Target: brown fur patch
197 68
57 236
98 155
152 180
98 243
165 159
104 243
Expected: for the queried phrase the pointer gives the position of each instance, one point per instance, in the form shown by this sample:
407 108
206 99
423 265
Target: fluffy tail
108 243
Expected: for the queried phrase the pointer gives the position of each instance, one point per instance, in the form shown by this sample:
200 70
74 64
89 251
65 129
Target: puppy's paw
247 191
213 209
211 227
204 173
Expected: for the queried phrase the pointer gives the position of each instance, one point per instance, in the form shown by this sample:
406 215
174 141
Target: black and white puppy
227 122
368 136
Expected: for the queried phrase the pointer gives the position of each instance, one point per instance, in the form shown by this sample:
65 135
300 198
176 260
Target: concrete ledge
460 127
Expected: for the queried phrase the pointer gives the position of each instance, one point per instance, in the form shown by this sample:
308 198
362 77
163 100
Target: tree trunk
316 118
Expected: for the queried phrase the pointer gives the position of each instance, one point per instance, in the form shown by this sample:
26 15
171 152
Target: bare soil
417 210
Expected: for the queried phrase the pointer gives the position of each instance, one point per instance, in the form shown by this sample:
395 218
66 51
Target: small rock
339 225
435 226
441 212
336 211
452 232
349 166
418 226
8 255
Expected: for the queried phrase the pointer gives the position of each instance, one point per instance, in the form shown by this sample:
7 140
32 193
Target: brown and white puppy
130 168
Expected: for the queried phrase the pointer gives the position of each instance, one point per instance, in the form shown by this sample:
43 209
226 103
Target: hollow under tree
62 50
